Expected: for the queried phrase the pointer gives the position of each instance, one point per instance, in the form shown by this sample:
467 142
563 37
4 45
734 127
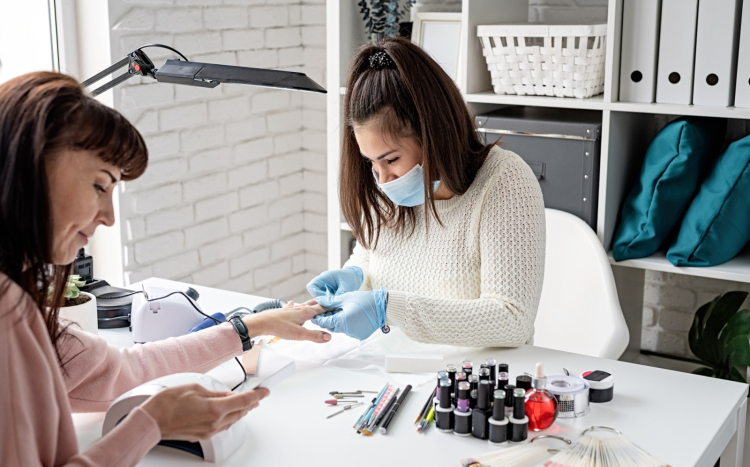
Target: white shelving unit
627 130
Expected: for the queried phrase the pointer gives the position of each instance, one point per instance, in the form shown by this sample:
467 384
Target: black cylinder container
467 367
462 414
519 423
444 411
474 385
498 424
502 376
480 416
524 382
451 369
460 378
492 365
509 400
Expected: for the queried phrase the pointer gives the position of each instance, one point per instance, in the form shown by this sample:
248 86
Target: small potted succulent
79 307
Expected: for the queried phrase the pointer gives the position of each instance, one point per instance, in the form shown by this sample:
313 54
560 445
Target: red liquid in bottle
541 408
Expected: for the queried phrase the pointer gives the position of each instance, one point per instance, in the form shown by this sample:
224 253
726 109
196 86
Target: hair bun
380 60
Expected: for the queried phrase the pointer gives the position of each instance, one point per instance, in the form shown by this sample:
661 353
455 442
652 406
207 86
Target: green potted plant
719 337
382 17
79 307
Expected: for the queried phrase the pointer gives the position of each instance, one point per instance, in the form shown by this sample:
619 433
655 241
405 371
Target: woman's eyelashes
99 188
391 161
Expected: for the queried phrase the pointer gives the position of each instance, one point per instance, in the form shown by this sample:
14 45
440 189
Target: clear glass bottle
541 405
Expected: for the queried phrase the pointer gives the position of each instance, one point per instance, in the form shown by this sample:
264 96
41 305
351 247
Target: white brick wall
223 201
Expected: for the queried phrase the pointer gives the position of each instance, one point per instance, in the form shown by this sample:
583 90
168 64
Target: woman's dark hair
396 86
42 113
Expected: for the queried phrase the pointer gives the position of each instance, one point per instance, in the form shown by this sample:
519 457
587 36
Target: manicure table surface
684 420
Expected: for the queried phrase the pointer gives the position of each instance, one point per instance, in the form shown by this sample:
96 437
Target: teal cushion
669 178
717 223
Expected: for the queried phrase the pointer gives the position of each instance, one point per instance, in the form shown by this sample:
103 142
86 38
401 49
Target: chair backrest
579 311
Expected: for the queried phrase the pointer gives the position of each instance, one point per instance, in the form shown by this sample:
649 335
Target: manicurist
62 154
450 232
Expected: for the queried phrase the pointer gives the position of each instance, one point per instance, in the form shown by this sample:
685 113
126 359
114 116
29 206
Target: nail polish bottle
541 405
474 386
519 423
502 376
460 377
440 376
498 422
444 411
484 373
491 364
509 400
467 367
523 382
462 414
451 369
480 416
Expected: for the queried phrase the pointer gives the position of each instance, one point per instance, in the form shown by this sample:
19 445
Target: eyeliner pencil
423 412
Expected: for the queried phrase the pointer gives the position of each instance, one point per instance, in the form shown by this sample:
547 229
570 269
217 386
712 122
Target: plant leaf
703 371
717 317
738 350
697 346
739 324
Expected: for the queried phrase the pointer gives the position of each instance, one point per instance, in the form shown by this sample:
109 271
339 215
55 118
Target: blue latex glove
336 282
361 313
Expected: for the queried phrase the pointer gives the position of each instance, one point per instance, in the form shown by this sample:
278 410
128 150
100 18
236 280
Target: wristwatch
241 329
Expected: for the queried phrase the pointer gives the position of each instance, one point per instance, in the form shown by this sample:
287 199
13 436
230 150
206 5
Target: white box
742 93
716 52
674 79
639 49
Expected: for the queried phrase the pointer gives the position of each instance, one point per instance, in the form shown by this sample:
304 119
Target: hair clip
380 60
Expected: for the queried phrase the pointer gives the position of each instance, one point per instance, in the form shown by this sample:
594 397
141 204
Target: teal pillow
669 178
717 224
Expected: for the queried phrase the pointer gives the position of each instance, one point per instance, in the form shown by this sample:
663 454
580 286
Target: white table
685 420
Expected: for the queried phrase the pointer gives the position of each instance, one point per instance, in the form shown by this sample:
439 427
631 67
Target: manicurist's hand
336 282
360 313
287 322
192 412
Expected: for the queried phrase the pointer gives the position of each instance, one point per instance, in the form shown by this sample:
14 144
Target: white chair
579 311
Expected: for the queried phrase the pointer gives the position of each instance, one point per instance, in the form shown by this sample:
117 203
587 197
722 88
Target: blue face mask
407 190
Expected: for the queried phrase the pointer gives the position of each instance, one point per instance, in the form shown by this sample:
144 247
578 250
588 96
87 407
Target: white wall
234 195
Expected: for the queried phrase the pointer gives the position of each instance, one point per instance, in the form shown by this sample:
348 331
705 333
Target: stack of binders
686 52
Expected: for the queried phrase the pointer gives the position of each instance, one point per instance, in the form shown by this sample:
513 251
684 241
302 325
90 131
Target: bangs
115 140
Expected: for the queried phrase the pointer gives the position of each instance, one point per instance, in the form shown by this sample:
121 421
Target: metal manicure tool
345 409
344 396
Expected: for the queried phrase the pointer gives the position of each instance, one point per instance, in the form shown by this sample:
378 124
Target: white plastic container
545 60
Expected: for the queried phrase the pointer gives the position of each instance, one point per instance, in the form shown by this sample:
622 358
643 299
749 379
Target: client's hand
192 412
287 322
362 313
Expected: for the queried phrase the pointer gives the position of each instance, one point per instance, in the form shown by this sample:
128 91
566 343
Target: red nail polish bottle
541 405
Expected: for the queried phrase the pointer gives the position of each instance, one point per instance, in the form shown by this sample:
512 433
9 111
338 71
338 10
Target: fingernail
326 336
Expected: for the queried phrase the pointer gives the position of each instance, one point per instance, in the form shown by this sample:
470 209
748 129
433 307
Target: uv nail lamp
163 314
215 449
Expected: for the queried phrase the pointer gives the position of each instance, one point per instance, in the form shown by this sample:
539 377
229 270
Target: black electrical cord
164 47
244 374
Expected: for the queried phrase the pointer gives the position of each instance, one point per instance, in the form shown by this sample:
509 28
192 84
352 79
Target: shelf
489 97
675 109
737 269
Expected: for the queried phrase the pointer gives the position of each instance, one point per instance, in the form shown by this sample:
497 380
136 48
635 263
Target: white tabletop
683 419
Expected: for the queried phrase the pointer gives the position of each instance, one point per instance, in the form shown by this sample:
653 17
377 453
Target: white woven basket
545 60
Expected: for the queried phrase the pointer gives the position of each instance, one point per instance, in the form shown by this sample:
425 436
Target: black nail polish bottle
498 422
519 423
480 416
444 411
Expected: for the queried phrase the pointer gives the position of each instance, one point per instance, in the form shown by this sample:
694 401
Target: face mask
407 190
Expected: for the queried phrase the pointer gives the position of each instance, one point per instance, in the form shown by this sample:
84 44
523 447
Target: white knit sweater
476 281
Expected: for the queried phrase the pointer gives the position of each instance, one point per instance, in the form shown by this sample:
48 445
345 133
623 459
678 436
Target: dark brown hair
41 113
407 95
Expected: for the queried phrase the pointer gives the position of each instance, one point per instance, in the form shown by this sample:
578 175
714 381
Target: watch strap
241 329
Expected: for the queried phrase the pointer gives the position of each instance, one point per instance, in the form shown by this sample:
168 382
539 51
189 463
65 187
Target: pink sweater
37 397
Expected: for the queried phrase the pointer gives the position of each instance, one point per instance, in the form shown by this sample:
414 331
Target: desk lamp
206 75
